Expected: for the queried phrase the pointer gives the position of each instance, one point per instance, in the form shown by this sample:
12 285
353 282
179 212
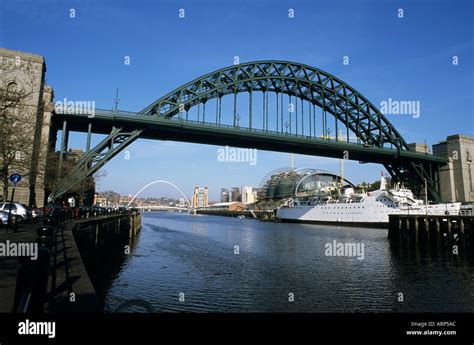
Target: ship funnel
382 182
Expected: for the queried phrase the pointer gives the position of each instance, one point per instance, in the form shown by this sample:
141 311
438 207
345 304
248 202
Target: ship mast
426 197
342 173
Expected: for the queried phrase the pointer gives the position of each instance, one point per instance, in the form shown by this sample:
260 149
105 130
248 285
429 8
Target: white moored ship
360 208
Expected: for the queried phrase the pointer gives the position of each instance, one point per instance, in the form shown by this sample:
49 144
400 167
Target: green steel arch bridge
269 105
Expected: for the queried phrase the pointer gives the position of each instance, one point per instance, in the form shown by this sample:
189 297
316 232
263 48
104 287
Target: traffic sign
15 178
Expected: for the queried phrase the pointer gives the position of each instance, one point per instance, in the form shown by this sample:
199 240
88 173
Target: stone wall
27 73
456 178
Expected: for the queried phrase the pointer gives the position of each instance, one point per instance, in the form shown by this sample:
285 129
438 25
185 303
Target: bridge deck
208 133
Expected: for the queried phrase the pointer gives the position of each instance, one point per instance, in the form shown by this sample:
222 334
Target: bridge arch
160 181
319 88
378 141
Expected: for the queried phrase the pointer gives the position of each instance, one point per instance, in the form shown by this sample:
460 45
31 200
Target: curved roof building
302 182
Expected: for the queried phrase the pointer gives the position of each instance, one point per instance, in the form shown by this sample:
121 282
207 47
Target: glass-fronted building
303 182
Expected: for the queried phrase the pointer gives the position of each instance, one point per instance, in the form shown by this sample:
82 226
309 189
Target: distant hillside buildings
200 197
245 195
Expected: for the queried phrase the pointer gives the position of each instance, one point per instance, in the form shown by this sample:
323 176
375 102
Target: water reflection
194 255
104 255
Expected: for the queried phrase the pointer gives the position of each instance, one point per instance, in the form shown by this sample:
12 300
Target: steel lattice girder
93 160
308 83
303 81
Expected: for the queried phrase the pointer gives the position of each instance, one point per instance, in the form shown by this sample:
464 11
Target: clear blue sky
406 58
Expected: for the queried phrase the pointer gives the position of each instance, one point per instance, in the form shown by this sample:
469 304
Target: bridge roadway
175 129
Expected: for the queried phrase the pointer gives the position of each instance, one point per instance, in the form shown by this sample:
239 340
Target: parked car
37 213
21 212
3 218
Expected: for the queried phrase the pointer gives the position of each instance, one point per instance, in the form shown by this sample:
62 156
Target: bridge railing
258 130
128 114
113 114
267 131
77 110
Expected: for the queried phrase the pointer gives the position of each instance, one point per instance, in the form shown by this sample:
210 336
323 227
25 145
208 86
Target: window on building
18 156
12 88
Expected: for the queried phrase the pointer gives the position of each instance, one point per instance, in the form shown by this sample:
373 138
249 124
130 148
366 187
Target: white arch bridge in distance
160 181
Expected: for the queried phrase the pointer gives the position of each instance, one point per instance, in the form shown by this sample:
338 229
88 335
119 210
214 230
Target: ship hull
378 225
374 211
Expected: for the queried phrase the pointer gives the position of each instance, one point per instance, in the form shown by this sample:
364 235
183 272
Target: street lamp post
15 179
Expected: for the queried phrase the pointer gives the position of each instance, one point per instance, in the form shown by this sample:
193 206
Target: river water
181 262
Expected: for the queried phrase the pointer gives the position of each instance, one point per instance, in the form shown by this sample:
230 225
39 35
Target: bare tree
18 118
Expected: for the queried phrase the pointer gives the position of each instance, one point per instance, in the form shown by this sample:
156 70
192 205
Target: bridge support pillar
89 135
63 149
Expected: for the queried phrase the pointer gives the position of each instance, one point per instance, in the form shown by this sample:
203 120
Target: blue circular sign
15 178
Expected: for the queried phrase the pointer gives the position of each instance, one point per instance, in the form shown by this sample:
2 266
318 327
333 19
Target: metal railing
33 275
32 279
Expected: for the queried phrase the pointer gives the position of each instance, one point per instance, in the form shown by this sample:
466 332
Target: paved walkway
70 289
9 265
67 273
